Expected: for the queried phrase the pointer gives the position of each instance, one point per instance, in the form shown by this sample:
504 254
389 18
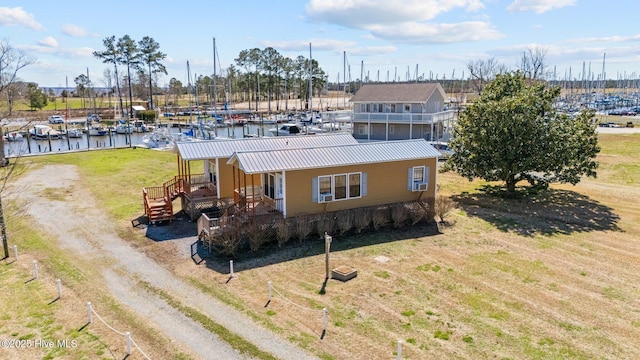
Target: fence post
128 335
231 268
59 282
89 312
324 320
269 283
399 349
327 249
15 251
35 269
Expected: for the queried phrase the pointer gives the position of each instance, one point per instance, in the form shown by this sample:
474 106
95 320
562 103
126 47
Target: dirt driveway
82 228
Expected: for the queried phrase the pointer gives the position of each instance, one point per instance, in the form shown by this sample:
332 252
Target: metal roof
397 93
255 162
211 149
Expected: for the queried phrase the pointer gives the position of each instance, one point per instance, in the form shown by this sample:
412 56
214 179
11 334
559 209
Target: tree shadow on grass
547 212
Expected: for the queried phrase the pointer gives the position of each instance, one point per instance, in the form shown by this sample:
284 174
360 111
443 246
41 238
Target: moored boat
124 129
74 133
44 132
14 136
285 130
97 131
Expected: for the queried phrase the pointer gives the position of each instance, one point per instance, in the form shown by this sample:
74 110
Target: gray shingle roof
397 93
255 162
211 149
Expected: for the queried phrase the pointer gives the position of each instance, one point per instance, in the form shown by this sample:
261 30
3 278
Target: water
113 140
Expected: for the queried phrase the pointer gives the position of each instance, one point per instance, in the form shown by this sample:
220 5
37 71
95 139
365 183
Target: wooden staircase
158 200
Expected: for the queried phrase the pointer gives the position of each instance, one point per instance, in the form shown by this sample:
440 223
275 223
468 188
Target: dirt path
81 227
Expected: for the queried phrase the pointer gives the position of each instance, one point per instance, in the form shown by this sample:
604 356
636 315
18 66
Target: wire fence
323 311
90 311
127 334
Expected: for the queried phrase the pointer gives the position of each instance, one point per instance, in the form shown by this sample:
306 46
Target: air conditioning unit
420 186
326 197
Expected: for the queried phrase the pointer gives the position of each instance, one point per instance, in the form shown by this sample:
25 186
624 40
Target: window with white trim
363 129
418 178
325 187
418 174
355 181
340 187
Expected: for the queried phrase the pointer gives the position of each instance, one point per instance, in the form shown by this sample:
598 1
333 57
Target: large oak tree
513 133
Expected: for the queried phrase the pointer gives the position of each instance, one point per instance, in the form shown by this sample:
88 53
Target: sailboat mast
215 92
66 87
344 79
604 74
310 80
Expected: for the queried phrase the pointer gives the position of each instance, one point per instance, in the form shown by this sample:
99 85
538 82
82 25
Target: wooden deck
213 225
196 194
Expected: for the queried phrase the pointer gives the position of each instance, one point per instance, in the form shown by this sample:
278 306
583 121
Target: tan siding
386 183
225 177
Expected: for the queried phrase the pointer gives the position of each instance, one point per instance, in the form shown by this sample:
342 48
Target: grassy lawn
550 277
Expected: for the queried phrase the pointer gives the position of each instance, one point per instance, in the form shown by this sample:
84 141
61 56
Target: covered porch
259 195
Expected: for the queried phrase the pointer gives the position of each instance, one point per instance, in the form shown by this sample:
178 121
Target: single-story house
312 180
295 175
204 177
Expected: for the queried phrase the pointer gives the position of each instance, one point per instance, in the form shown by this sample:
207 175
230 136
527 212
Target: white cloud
538 6
49 41
74 30
363 13
608 39
18 17
419 33
373 50
83 52
303 45
407 21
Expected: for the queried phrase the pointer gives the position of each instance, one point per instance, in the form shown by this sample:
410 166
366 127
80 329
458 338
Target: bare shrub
345 221
228 241
399 215
257 234
381 217
362 219
443 207
418 211
431 209
304 226
284 231
326 224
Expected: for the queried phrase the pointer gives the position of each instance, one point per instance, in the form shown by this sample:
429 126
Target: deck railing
212 225
415 118
154 192
174 186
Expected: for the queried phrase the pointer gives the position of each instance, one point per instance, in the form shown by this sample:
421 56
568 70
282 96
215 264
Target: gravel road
82 227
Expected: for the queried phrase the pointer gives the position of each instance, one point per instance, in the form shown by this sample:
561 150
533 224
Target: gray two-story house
400 112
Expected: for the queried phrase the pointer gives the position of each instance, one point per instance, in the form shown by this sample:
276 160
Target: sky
380 39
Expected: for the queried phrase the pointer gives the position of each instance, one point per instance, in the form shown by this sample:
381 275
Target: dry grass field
553 276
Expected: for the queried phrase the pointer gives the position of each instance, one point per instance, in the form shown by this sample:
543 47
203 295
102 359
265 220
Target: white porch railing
405 118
